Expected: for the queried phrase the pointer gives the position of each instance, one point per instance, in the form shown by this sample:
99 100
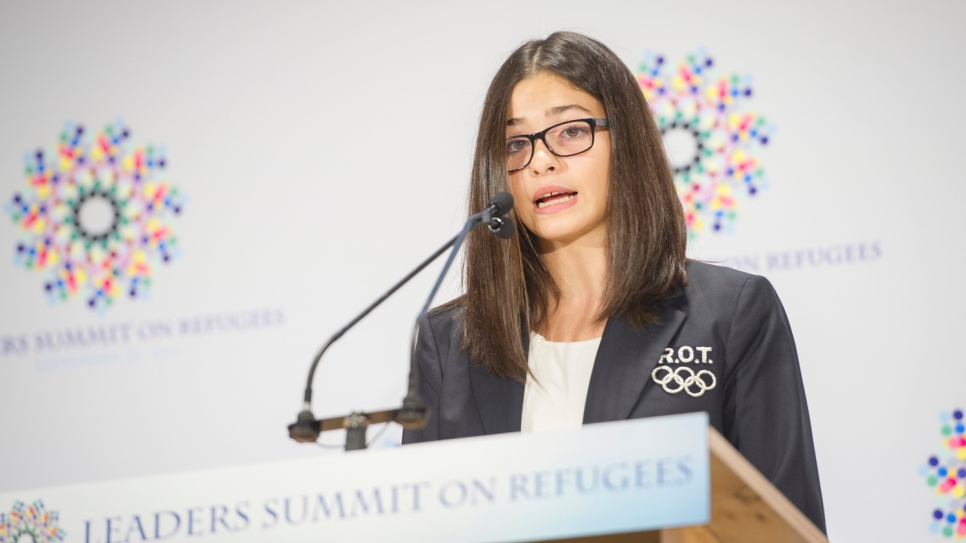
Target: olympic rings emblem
679 383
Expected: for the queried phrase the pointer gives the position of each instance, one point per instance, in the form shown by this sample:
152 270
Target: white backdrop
324 149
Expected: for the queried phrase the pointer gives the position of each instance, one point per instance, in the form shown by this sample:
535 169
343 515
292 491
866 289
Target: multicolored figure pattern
945 472
95 217
30 523
690 102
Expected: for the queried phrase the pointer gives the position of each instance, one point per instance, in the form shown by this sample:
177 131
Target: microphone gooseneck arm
412 414
366 311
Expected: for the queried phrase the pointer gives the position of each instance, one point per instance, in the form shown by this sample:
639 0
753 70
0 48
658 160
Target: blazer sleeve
765 398
430 382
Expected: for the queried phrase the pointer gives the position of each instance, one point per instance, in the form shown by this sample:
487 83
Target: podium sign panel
604 478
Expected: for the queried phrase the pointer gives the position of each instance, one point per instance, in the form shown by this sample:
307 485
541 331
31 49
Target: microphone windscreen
503 203
504 227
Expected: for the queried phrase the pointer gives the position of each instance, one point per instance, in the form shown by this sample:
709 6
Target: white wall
324 149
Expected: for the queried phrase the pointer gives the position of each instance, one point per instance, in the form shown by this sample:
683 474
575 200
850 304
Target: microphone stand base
306 429
411 416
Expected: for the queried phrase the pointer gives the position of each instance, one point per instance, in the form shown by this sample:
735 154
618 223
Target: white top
556 399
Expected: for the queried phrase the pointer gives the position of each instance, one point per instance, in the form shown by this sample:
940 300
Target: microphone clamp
502 227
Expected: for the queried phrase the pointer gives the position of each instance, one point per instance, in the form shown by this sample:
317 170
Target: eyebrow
550 113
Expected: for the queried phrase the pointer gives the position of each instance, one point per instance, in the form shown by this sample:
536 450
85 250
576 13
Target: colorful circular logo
95 218
945 473
30 521
710 133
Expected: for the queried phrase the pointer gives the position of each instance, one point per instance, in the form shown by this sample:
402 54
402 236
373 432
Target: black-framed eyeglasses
563 139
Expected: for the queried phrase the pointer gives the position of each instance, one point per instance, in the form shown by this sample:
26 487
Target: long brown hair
508 290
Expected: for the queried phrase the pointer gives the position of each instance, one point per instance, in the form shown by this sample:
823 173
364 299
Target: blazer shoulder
445 324
705 274
445 317
721 286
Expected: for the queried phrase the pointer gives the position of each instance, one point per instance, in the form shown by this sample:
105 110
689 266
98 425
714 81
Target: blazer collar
625 359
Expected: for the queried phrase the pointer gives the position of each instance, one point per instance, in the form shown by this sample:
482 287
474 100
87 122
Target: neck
579 270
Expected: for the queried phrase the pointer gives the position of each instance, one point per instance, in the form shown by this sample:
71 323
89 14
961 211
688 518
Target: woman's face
560 199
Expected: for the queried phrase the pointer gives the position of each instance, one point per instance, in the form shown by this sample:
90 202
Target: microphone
500 205
502 227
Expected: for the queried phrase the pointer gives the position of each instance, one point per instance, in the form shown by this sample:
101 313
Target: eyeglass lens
566 139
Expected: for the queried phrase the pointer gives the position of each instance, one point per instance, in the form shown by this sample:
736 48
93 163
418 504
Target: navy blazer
727 328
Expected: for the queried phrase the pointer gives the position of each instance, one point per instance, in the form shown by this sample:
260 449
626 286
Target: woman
593 312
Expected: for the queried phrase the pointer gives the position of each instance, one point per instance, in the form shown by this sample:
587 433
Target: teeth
544 201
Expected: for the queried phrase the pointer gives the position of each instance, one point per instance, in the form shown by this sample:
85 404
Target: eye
572 131
517 145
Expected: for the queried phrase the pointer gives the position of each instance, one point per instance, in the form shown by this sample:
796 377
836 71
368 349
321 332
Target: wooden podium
663 479
745 508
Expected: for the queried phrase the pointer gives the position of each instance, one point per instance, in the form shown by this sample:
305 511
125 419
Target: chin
562 230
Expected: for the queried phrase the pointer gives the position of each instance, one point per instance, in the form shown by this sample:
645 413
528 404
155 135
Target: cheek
601 179
521 200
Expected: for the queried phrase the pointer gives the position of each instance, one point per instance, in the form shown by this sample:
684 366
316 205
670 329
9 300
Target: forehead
546 97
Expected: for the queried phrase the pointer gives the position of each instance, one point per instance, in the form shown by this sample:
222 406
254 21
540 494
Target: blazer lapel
625 359
498 400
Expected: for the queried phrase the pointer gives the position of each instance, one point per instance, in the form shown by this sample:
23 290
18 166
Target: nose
543 160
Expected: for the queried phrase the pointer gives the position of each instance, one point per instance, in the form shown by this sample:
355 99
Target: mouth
554 198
